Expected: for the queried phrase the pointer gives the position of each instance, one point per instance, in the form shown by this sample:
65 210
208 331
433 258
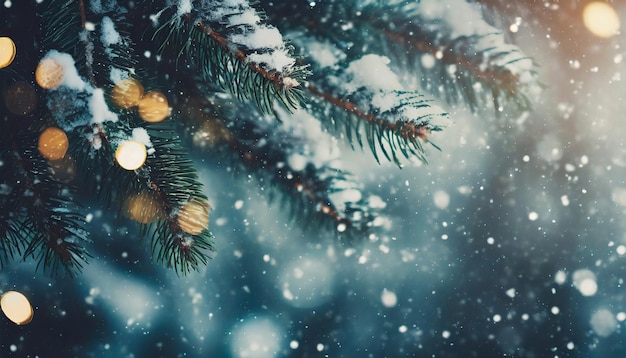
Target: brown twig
407 130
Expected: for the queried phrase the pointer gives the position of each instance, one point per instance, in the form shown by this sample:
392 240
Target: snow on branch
369 95
455 35
236 28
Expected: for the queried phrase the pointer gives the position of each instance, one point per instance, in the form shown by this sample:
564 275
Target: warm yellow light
193 217
16 307
49 74
601 19
153 107
131 155
127 93
53 143
144 208
7 51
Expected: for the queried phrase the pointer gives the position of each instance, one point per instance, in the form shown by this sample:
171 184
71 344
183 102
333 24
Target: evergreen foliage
377 74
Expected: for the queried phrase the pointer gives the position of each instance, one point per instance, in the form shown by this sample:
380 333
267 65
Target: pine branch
96 37
294 160
39 217
215 39
463 55
364 97
464 63
390 131
83 109
371 61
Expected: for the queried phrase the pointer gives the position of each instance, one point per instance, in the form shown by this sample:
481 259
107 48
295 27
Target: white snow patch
71 79
110 36
372 71
141 135
323 53
98 107
184 7
376 202
297 162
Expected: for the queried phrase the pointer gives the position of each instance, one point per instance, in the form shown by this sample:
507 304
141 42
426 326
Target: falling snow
511 242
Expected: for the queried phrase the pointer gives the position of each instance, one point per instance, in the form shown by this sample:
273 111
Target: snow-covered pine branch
230 43
447 49
462 57
367 98
298 163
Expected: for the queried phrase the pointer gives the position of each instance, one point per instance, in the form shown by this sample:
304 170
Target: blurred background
511 242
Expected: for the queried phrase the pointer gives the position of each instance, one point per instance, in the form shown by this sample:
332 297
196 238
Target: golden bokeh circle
144 208
16 307
153 107
601 19
131 155
193 217
49 74
7 51
53 143
127 93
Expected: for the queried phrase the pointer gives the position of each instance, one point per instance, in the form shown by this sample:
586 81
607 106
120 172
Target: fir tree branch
462 55
96 37
384 133
38 214
167 176
471 64
316 193
215 46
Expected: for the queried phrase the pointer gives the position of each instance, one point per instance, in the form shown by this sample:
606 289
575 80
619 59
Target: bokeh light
49 74
16 307
601 19
7 51
53 143
131 155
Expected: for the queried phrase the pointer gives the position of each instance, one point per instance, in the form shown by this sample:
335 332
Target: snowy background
510 243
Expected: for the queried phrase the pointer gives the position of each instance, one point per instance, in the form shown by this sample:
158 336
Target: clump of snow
371 71
141 135
76 94
99 110
117 75
109 35
318 147
324 54
242 26
297 161
71 79
184 7
376 202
